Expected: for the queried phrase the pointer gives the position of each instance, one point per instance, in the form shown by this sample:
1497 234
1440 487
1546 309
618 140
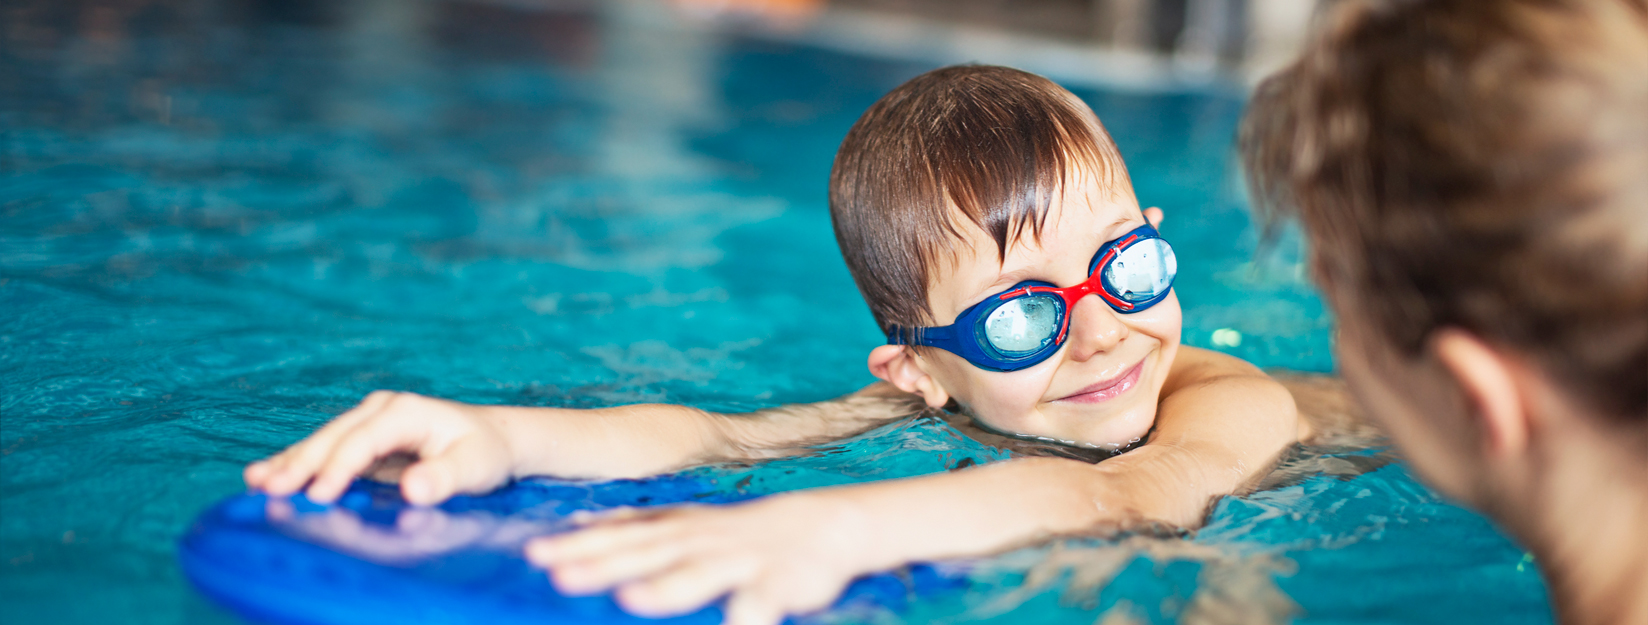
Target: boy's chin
1113 424
1109 426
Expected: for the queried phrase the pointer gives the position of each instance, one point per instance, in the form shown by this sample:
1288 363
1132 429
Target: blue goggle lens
1023 326
1143 271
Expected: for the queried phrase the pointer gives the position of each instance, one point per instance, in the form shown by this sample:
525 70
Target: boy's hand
466 448
459 449
781 555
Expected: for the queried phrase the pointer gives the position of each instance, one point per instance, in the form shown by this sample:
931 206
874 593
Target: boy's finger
593 517
291 469
255 473
605 571
684 588
749 608
333 430
357 451
623 514
590 542
294 467
469 465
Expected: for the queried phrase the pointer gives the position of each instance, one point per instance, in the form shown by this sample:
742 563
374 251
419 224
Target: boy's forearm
783 430
1221 427
649 439
976 511
1211 451
609 443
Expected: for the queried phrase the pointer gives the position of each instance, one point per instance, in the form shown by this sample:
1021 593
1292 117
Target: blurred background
1135 38
1246 37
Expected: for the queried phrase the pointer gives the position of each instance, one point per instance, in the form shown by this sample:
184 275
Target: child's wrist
1133 496
723 438
508 427
845 525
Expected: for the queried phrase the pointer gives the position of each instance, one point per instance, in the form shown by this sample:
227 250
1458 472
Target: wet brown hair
994 142
1481 165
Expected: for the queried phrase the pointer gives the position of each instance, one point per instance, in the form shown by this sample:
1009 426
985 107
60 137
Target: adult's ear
899 365
1490 385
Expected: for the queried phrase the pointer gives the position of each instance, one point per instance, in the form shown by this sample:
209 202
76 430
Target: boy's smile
1101 387
1100 392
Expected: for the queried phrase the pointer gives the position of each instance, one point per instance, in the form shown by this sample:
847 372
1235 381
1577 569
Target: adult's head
1473 177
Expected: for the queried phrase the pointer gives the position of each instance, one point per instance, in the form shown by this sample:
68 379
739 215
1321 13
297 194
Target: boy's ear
899 366
1490 387
1154 216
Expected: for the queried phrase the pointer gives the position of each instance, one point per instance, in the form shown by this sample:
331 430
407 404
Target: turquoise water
222 223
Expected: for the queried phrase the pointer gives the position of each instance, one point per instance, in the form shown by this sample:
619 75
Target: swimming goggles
1022 326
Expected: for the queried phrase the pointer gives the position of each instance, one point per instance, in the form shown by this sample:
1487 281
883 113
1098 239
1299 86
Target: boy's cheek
1164 321
1005 401
978 388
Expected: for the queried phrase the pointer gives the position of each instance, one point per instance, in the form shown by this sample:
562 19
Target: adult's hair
995 143
1475 164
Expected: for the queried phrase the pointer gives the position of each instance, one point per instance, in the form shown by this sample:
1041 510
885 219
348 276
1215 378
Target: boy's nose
1095 328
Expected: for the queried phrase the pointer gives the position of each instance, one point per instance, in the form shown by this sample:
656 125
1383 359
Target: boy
1474 180
990 224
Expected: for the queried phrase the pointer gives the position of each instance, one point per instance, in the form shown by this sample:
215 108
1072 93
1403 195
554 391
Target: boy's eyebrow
1000 284
1016 276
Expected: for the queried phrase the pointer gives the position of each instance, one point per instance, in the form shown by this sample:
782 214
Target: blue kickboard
373 558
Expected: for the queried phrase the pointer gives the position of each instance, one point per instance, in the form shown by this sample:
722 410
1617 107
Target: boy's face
1101 387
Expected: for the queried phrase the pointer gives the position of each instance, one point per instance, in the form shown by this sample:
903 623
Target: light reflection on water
223 222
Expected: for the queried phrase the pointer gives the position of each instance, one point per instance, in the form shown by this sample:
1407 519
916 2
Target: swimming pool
222 223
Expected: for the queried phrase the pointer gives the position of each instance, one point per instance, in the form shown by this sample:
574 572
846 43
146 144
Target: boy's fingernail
559 584
539 551
634 599
567 581
416 490
276 484
317 495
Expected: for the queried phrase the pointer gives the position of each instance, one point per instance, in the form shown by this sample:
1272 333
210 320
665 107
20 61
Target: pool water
222 223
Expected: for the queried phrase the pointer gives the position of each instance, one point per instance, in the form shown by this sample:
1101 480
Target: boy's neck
1583 523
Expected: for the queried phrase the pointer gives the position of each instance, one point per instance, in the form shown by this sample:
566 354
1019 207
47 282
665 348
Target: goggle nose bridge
1073 293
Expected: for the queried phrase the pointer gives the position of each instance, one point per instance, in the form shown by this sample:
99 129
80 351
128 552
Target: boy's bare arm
649 439
787 429
469 448
1220 425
